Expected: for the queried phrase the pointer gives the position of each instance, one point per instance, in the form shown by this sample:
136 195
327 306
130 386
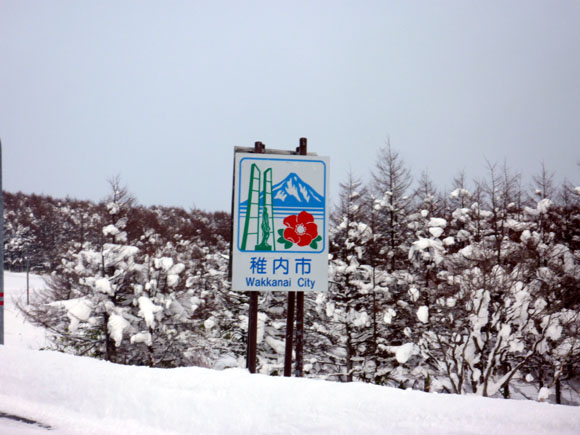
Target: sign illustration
280 222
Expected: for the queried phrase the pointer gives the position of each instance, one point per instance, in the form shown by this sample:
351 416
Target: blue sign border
323 246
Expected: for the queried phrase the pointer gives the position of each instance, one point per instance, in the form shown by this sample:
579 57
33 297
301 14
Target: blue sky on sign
161 92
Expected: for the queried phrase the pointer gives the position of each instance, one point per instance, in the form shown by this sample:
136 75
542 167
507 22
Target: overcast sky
160 92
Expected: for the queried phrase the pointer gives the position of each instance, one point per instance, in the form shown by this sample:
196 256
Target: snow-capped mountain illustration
295 193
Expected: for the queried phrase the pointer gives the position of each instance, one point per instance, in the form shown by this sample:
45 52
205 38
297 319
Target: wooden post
299 335
252 332
251 355
289 334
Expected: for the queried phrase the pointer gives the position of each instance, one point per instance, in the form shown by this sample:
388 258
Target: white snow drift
78 395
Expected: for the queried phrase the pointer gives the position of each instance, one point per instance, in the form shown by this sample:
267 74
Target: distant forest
39 227
473 291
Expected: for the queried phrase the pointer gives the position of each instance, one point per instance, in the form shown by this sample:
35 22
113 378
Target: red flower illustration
301 229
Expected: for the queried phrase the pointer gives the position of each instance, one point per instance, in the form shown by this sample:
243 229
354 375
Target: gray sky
161 91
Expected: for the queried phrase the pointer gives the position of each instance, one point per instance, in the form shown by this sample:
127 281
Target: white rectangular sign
280 238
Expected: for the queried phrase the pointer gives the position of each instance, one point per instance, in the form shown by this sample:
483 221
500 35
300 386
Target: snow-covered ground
76 395
18 332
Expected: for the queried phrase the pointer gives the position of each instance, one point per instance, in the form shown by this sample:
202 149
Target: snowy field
76 395
17 332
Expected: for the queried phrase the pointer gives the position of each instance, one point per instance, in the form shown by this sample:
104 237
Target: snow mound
83 395
79 395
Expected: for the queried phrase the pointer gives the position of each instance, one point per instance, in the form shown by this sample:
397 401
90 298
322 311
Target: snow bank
76 395
86 396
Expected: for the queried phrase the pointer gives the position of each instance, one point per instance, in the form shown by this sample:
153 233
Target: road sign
280 240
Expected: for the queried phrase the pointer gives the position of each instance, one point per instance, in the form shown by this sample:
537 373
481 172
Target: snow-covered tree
392 180
347 304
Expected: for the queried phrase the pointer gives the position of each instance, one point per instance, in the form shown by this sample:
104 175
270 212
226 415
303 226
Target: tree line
471 291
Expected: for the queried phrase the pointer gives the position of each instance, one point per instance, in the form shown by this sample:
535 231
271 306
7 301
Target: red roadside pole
1 254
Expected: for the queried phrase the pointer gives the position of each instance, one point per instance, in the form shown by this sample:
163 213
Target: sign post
295 300
289 334
251 354
280 220
302 150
